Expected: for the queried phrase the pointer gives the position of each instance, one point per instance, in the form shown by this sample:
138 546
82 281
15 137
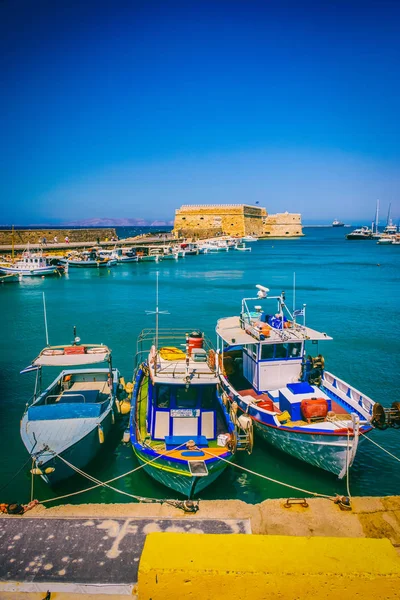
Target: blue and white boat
31 264
72 417
180 428
294 403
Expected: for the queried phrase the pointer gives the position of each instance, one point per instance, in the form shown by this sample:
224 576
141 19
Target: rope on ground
105 483
288 485
381 447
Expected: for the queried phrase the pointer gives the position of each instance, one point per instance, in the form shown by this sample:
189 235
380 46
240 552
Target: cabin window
294 350
163 396
267 352
186 398
208 395
253 350
280 351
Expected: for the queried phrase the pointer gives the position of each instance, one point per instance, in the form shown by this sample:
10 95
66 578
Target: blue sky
130 109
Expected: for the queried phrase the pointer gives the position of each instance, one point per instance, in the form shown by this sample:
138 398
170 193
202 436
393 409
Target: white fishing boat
69 421
31 264
295 404
249 238
242 247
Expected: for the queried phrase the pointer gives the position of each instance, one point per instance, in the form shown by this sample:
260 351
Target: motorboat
337 223
69 421
385 240
119 255
11 278
361 233
249 238
295 404
31 264
88 260
180 429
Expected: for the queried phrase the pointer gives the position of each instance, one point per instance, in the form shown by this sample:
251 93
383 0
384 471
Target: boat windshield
280 351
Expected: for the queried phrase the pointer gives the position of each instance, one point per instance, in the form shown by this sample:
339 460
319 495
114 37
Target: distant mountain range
118 223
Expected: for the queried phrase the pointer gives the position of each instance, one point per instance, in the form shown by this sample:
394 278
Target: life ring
96 350
49 352
211 359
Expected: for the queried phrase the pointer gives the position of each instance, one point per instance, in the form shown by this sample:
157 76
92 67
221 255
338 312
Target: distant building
210 220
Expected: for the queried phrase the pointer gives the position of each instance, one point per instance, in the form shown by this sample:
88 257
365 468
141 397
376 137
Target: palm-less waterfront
347 294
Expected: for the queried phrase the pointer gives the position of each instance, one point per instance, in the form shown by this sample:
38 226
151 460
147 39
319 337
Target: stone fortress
198 221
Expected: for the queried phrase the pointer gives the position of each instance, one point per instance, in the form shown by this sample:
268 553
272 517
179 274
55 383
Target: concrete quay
294 553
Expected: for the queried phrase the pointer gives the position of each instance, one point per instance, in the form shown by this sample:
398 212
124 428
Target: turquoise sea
351 289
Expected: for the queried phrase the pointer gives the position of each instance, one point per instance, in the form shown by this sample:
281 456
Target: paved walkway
79 555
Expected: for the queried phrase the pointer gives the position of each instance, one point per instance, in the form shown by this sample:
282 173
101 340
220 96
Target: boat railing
165 337
348 394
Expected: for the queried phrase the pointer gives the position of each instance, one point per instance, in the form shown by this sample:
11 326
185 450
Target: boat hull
177 476
79 454
89 264
318 450
42 272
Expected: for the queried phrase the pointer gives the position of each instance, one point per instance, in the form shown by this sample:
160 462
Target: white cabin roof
56 356
177 371
230 331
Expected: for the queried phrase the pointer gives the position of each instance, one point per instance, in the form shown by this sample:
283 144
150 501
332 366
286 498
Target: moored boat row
194 406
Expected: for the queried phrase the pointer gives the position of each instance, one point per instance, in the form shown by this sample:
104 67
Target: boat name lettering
185 412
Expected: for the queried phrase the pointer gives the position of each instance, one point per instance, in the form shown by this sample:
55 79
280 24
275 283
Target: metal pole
294 292
45 319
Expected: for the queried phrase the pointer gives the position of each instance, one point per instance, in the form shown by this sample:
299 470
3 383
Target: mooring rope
381 447
106 483
293 487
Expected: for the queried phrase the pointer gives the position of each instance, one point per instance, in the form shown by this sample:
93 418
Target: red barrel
195 340
314 408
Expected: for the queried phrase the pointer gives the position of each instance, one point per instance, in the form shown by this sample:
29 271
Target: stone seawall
35 236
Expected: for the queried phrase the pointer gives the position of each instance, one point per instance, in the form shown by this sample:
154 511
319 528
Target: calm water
351 290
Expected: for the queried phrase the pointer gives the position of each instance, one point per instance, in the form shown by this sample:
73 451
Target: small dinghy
72 417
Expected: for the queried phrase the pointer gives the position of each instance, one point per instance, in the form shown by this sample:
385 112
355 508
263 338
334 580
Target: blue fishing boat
180 429
294 403
69 421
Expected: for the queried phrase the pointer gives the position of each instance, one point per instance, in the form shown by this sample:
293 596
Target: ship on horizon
337 223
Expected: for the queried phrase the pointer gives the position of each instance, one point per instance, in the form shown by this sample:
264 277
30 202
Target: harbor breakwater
35 236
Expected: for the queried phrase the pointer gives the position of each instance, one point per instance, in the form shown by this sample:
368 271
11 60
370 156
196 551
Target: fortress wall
33 236
202 221
283 225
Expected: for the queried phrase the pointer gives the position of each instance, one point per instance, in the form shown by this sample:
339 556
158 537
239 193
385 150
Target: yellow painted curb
178 566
